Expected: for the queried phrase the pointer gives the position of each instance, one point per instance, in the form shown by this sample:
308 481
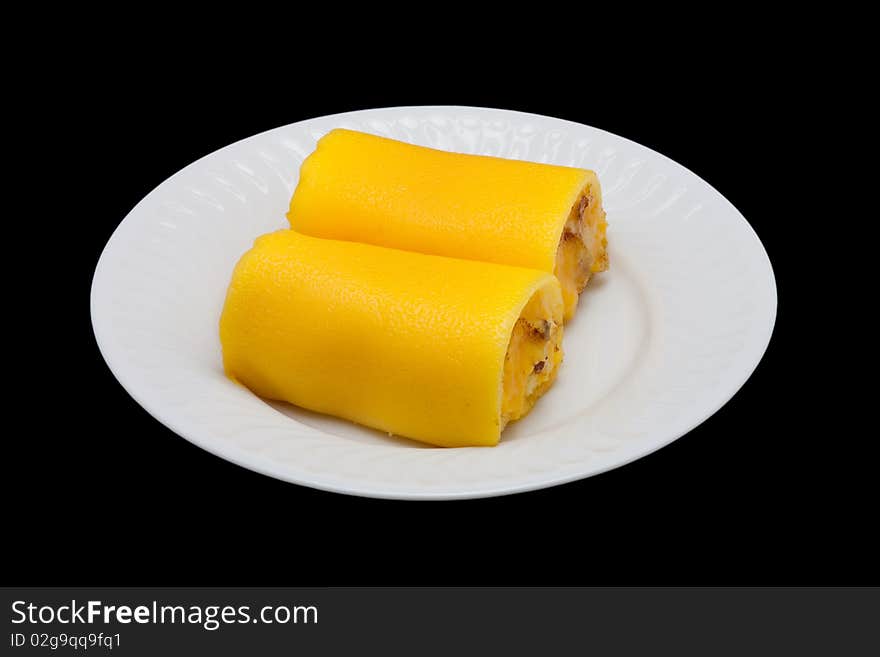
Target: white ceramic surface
659 342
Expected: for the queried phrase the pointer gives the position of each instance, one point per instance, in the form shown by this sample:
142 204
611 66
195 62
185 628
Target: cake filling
532 361
582 246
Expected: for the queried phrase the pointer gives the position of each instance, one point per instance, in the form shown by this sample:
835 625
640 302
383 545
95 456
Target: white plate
659 342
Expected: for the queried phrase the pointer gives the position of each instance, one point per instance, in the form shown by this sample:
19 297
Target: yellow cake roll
442 350
364 188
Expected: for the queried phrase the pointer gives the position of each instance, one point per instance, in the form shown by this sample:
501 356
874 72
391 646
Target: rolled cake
370 189
441 350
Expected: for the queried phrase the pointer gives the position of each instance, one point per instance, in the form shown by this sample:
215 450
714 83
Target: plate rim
264 466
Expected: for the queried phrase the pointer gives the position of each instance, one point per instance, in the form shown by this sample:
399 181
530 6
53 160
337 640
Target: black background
767 491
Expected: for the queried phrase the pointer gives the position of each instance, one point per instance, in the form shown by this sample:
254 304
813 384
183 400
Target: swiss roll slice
360 187
442 350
